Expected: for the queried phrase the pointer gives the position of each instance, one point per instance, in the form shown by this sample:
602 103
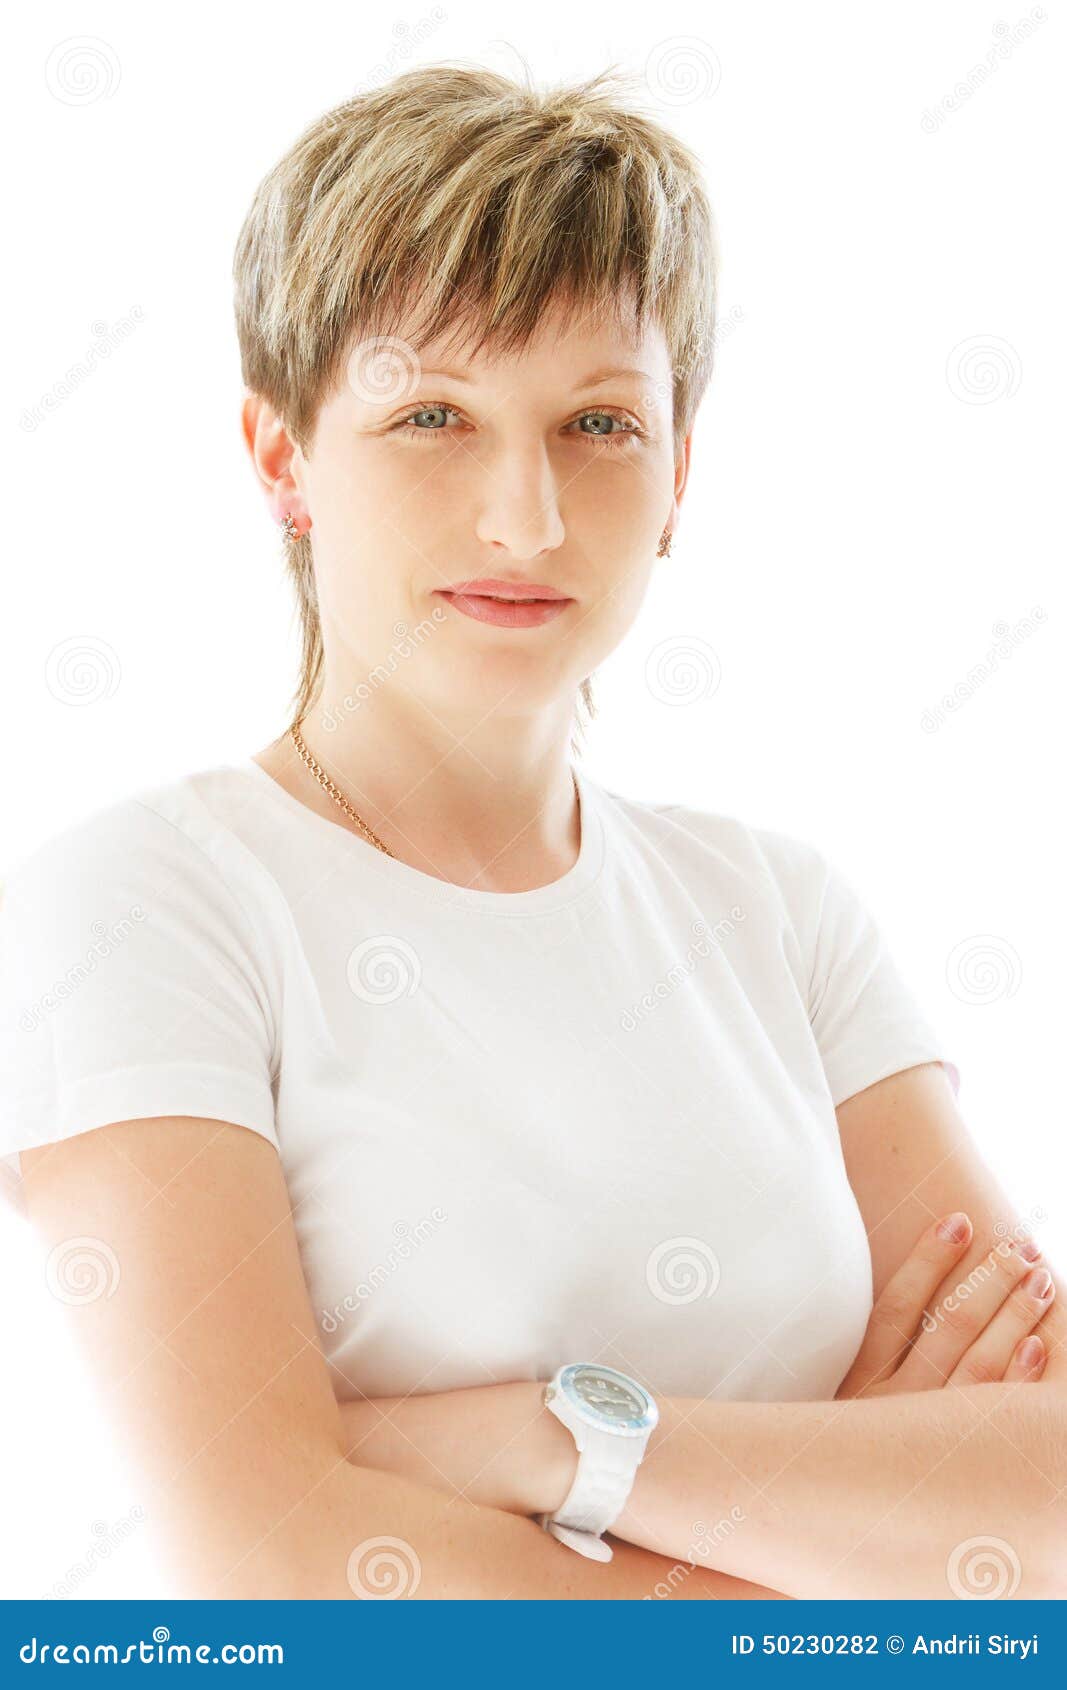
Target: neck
493 811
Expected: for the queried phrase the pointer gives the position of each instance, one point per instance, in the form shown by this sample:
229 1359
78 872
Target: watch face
608 1397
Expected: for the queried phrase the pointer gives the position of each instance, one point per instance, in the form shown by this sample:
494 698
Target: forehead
572 339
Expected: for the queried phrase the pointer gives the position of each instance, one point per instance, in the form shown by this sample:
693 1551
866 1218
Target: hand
973 1339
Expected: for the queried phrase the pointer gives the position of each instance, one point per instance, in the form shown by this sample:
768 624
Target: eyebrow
596 378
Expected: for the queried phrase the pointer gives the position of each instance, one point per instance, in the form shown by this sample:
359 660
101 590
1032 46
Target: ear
681 477
272 452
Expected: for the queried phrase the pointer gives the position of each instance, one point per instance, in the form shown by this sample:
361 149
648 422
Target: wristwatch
611 1417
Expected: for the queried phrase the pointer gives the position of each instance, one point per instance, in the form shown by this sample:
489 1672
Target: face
429 469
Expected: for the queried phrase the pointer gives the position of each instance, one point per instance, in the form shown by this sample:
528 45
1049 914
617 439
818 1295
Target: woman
415 1063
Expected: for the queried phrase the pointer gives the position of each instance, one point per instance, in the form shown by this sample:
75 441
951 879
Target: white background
876 497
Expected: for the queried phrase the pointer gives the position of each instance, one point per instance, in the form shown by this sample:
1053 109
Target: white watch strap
584 1542
606 1470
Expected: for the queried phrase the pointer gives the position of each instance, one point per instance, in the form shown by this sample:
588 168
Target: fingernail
1039 1283
1031 1351
953 1229
1026 1247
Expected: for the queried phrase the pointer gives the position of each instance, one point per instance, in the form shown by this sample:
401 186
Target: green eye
627 431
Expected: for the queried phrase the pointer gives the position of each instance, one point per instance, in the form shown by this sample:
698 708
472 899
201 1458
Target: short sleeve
132 984
867 1020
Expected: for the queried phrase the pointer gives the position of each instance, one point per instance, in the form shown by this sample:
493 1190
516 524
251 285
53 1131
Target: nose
520 502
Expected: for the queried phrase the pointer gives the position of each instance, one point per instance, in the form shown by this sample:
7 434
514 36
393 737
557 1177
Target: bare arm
931 1331
891 1497
197 1327
784 1492
496 1445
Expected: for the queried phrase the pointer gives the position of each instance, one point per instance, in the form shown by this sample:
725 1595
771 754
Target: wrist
547 1455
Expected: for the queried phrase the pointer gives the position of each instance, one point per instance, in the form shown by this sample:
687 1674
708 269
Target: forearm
353 1533
494 1445
881 1497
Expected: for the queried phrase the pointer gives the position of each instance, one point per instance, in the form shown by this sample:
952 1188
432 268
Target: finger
959 1317
992 1351
900 1308
1026 1364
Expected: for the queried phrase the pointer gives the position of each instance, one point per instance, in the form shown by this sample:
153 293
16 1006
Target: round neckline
536 900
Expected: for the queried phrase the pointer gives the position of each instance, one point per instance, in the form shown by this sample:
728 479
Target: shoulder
150 879
144 840
789 864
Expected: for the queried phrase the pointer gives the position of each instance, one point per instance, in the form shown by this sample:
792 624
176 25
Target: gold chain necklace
324 780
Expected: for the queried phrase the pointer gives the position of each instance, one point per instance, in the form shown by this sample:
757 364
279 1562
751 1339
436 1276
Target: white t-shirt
589 1121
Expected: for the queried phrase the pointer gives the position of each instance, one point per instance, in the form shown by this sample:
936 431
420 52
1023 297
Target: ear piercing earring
292 532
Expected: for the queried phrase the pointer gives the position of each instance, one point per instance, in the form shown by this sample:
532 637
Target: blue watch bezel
636 1423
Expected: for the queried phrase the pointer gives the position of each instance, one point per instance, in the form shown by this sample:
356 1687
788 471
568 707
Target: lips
507 612
492 587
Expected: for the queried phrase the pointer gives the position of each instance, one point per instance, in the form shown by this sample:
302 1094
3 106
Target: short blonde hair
484 202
